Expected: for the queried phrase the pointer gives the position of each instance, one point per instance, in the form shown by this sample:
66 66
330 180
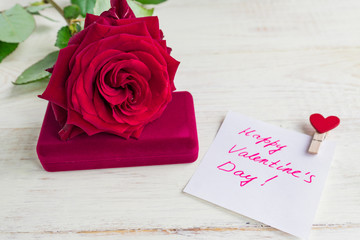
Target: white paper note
263 172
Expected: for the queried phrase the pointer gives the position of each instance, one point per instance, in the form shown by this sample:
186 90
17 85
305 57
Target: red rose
115 76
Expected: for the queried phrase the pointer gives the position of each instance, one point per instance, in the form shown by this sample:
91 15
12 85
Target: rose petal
122 9
54 91
76 119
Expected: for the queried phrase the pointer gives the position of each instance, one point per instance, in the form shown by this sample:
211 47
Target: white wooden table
293 58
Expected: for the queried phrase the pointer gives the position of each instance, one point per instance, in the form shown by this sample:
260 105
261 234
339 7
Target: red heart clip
322 124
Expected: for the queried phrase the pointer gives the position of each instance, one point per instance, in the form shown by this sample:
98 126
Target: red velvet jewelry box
170 139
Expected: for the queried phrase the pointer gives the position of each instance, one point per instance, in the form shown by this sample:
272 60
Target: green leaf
86 6
36 9
6 49
63 37
150 1
36 72
71 11
101 6
37 3
80 26
16 24
139 10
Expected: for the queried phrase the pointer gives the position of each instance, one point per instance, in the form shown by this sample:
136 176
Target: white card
263 172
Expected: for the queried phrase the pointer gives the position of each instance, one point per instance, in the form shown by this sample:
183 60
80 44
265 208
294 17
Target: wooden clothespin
322 127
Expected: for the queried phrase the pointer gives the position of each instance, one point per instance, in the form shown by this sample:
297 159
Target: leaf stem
59 9
77 20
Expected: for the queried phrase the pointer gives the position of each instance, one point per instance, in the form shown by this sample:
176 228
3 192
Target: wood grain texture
275 60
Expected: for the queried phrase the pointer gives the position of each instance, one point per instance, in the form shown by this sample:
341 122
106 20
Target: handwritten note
263 172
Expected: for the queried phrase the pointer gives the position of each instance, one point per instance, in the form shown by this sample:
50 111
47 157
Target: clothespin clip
322 127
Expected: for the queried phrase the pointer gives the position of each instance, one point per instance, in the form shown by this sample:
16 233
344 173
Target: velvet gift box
170 139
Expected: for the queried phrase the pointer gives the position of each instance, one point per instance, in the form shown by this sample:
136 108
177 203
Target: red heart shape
322 124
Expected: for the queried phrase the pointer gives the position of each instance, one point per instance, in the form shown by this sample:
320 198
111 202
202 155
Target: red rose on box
115 76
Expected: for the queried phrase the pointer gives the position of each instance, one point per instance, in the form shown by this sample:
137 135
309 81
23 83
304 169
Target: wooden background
275 60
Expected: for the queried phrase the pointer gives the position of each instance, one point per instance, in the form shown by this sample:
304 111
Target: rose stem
58 8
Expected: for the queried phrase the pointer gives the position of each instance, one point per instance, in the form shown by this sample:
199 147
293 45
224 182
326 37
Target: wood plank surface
275 60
